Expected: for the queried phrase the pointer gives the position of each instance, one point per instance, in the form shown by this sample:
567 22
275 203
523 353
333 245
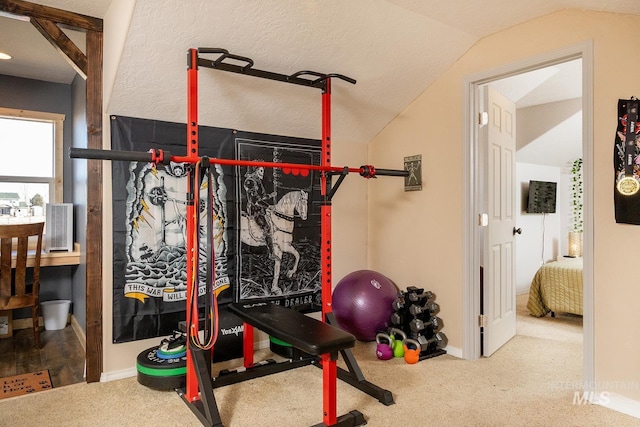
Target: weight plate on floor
160 373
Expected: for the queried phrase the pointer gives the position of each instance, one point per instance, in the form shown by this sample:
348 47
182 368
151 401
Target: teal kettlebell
397 337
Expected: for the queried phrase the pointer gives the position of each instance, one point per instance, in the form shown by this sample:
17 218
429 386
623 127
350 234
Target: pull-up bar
295 78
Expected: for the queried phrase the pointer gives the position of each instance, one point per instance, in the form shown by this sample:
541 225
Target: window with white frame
30 163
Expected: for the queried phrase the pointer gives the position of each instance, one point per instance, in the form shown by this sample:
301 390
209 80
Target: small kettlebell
397 337
383 348
411 351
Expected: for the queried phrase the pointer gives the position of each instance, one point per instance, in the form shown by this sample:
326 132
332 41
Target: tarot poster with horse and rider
265 225
279 226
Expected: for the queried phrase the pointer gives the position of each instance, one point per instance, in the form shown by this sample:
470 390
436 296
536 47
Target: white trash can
55 314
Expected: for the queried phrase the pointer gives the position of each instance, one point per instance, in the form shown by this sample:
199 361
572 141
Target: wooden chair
15 291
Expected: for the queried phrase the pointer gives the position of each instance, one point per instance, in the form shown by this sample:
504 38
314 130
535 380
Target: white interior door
499 139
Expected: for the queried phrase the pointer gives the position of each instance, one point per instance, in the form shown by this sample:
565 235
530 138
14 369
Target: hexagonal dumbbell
432 307
398 304
436 323
428 295
432 326
439 340
397 319
414 290
416 325
414 297
415 310
419 295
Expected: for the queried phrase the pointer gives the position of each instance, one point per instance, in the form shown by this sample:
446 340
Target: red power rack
198 393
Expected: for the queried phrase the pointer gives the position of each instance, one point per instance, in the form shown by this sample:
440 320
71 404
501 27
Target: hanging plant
576 194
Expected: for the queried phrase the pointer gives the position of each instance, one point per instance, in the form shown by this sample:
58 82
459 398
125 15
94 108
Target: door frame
471 194
90 67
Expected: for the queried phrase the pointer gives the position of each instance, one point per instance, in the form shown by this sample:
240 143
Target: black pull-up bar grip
212 50
127 156
321 76
370 171
342 77
224 54
391 172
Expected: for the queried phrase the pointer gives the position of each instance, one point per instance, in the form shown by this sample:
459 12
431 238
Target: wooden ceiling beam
59 16
63 44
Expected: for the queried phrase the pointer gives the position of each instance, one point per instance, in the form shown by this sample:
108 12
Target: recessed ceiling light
4 55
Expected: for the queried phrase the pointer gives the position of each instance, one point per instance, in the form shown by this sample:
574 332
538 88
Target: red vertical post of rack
329 368
247 344
325 209
191 389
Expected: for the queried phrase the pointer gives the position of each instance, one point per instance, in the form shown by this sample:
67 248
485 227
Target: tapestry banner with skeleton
265 225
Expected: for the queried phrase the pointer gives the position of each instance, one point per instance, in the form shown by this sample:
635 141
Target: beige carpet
522 384
564 327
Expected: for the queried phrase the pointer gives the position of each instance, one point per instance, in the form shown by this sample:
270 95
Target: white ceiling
394 49
548 101
549 84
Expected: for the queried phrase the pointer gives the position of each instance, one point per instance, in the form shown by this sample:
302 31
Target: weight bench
303 332
307 334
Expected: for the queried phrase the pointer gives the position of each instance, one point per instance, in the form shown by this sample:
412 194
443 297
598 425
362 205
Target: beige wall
415 238
116 357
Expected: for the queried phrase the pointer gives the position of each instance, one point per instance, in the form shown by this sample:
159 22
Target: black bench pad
303 332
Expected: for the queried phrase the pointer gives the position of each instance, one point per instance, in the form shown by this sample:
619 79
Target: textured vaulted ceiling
393 48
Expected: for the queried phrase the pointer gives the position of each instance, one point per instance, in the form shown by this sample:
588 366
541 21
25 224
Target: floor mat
18 385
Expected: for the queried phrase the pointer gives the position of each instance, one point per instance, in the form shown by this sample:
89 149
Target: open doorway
50 23
548 105
472 198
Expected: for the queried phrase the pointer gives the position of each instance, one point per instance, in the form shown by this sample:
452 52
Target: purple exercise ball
362 303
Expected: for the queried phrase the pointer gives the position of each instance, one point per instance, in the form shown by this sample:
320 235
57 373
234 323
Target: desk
53 259
50 259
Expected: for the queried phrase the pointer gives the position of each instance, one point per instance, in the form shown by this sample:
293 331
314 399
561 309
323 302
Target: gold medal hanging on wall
627 185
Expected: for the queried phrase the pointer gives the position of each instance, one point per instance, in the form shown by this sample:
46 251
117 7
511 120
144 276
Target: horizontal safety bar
164 157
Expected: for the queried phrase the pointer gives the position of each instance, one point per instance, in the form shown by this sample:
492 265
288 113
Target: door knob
517 231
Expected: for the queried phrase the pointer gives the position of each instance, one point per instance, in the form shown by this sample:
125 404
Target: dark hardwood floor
60 352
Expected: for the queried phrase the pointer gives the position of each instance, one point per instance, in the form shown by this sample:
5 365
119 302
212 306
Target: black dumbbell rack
415 313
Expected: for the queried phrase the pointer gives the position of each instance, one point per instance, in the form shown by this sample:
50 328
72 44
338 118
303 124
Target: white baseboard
82 337
133 371
619 403
27 322
118 375
454 351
